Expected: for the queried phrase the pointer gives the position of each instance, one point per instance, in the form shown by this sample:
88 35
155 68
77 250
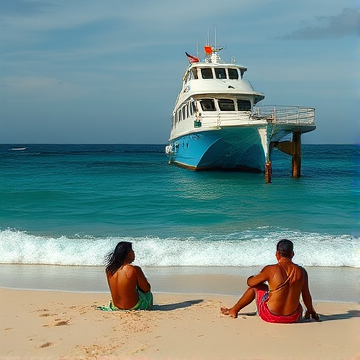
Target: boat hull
231 148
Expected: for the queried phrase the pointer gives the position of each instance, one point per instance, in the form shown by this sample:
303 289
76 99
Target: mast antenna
215 36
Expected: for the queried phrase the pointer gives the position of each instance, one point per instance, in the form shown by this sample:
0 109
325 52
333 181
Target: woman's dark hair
285 248
117 258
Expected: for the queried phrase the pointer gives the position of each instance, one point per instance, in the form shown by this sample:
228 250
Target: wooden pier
292 148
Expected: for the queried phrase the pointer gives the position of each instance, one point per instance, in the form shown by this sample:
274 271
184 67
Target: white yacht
217 124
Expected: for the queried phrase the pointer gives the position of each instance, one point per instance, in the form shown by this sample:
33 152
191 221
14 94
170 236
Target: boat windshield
244 105
233 74
194 74
220 73
226 105
206 73
207 105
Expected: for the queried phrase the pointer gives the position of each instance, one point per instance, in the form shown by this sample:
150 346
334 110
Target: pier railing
296 115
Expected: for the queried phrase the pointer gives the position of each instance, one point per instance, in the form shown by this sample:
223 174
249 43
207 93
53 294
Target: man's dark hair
285 248
117 258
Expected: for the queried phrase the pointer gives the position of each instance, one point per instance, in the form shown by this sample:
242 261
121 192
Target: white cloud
345 24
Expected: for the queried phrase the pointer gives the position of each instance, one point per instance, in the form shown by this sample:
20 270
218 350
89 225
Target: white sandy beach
185 324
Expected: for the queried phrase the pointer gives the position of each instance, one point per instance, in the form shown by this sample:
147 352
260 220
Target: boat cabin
206 72
192 106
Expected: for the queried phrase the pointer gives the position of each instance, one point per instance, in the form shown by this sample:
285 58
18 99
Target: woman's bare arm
143 284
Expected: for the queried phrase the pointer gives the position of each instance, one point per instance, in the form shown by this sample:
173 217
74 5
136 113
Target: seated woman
128 285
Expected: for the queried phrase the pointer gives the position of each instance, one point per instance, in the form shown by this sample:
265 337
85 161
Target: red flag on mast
208 50
192 59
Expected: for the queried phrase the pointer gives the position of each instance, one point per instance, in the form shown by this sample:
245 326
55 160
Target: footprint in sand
46 315
62 323
45 345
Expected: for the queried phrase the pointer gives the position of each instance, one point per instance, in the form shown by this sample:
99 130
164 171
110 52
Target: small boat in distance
18 149
216 124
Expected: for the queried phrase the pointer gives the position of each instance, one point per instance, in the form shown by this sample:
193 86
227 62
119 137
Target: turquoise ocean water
71 204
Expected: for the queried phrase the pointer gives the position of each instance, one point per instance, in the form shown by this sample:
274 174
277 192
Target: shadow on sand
179 305
348 315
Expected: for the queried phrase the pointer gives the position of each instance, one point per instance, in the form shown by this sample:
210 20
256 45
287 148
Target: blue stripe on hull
230 148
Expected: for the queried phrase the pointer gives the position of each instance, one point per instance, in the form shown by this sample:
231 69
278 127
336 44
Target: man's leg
246 299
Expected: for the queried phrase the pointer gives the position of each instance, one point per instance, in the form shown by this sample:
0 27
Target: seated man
128 285
279 301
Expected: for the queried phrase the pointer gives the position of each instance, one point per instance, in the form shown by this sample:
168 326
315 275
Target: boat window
233 74
189 75
206 73
220 73
193 105
190 109
194 73
226 105
244 105
207 104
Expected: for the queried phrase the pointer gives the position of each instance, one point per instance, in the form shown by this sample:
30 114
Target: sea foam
249 248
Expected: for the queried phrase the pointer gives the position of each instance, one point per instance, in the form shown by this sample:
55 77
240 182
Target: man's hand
312 315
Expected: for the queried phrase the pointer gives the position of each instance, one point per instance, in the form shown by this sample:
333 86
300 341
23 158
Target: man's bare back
286 283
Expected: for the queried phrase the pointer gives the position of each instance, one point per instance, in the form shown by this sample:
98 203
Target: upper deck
214 77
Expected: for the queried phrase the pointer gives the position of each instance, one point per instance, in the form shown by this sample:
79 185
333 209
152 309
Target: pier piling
268 172
296 155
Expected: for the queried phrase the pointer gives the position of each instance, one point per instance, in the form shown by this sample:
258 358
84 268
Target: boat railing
292 115
296 115
211 119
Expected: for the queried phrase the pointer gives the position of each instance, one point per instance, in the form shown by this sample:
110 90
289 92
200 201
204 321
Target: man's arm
306 296
142 282
259 278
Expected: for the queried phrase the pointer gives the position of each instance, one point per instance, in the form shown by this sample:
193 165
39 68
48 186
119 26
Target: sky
97 72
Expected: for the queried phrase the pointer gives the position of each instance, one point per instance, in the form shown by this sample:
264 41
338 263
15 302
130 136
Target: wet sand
326 284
